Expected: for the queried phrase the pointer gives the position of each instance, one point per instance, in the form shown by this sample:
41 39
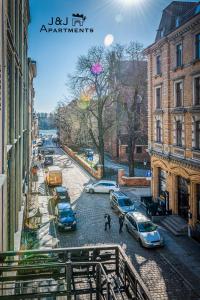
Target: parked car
103 186
121 202
46 151
48 160
65 217
53 176
39 142
143 230
61 194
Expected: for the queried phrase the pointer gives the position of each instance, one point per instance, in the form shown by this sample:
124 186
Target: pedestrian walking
121 223
107 221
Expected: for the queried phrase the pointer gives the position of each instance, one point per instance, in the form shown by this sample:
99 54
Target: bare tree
93 74
134 93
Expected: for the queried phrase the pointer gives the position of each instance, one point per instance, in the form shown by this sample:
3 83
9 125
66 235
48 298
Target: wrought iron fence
95 272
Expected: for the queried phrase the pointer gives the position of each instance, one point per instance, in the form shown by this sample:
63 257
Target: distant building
14 119
174 110
46 121
116 140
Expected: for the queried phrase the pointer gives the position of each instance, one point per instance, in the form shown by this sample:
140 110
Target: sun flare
130 2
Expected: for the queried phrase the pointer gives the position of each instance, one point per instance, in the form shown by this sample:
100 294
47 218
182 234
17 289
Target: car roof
107 181
120 195
64 206
139 217
54 168
61 189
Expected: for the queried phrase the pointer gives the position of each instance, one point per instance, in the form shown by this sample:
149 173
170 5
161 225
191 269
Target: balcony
72 273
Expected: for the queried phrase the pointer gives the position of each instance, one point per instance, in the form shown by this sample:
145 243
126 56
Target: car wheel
91 191
127 228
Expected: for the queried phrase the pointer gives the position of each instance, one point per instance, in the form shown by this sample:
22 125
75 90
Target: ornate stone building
174 110
14 118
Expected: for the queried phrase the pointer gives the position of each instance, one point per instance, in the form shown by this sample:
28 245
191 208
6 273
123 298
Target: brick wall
132 181
95 173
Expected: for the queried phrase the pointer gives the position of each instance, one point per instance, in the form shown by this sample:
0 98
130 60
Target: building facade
129 74
174 110
14 124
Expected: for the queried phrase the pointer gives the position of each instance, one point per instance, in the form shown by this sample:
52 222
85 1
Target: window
158 97
158 65
158 131
179 133
179 55
177 21
197 90
197 135
138 149
179 93
197 46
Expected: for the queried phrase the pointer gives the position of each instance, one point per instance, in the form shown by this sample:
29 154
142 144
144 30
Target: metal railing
96 272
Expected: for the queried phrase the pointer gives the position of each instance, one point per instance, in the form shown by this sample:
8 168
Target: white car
102 186
143 230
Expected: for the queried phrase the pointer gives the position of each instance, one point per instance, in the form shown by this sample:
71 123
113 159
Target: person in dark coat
107 221
121 223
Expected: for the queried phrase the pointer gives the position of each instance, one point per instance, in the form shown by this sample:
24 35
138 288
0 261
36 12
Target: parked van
54 176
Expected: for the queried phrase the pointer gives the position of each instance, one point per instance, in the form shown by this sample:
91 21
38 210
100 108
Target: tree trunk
131 149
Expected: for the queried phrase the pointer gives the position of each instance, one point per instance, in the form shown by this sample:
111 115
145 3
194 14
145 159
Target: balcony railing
72 273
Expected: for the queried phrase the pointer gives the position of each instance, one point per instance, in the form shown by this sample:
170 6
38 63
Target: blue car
65 217
121 202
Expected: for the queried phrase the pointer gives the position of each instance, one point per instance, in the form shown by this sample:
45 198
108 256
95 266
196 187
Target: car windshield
125 202
62 194
64 214
146 227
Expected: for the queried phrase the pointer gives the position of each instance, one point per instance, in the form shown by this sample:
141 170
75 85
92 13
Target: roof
54 168
109 181
64 206
175 15
120 195
60 189
139 216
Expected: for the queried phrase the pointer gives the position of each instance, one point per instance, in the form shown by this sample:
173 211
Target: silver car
102 186
143 230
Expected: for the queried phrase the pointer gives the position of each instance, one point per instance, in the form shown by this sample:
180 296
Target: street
156 266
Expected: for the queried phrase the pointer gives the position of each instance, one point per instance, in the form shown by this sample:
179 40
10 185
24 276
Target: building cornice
187 163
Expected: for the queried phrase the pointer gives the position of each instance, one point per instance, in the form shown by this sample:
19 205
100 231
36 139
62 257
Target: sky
56 53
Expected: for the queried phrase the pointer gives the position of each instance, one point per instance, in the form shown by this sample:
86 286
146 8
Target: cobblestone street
156 266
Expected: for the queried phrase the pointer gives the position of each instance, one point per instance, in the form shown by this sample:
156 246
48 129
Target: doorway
183 198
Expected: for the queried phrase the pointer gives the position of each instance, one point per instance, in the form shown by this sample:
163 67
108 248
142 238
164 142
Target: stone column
173 194
121 173
154 182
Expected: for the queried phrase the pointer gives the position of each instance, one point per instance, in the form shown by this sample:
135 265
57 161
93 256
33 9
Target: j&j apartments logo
73 24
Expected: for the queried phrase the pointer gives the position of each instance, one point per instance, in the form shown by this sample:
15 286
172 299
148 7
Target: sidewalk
40 210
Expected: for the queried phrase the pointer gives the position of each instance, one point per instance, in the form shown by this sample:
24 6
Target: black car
48 151
48 160
61 194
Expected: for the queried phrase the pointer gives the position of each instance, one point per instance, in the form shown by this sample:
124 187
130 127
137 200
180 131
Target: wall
132 181
95 173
